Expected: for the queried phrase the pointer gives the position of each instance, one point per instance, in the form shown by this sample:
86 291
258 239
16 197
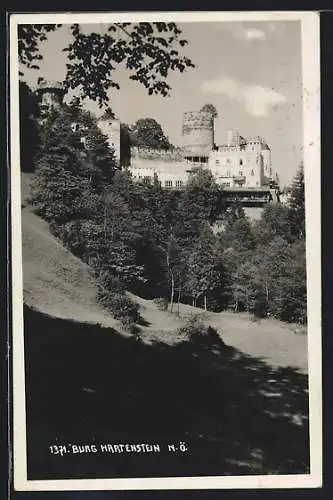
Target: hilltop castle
239 163
242 166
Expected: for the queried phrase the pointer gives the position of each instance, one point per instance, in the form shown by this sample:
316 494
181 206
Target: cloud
261 31
244 33
256 99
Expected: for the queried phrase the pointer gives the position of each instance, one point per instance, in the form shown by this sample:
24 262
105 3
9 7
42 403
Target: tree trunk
179 293
172 292
172 282
205 302
247 304
105 222
236 303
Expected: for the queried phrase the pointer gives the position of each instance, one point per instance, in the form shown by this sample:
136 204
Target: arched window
252 172
241 161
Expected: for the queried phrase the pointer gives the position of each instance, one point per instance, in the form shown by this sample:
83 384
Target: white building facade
242 162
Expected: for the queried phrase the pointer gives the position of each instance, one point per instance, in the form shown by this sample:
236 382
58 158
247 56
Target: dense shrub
197 332
121 307
194 327
161 303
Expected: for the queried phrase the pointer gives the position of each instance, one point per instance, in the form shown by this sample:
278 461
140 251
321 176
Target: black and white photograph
166 288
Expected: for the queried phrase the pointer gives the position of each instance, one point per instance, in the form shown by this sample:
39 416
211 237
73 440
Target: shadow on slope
87 384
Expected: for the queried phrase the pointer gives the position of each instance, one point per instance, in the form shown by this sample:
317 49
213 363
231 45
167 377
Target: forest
185 246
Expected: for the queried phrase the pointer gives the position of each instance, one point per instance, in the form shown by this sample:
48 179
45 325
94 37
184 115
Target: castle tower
198 135
233 137
50 95
111 128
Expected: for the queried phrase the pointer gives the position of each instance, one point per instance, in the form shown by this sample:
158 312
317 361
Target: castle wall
267 165
172 155
231 168
170 174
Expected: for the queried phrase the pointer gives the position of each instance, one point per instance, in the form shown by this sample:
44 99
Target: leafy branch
149 51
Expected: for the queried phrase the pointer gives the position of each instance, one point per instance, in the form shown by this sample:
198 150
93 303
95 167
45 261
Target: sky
250 71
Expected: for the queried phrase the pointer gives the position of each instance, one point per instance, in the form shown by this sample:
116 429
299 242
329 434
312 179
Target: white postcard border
311 121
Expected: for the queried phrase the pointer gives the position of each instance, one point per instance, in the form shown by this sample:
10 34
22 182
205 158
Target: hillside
55 281
239 399
59 284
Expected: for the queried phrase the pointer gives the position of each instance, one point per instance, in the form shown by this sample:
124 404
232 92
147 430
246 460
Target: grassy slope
59 284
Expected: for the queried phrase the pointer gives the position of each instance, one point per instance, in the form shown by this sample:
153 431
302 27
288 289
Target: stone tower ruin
50 95
198 135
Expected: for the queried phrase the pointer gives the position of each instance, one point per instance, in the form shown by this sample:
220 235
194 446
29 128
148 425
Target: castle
241 166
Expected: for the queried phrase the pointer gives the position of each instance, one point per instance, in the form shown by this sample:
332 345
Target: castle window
179 184
241 162
168 184
217 162
252 172
147 179
241 173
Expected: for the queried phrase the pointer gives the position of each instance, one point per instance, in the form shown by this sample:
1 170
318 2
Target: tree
125 145
148 133
210 108
297 204
98 155
238 236
108 114
202 200
275 221
29 128
62 175
203 270
149 51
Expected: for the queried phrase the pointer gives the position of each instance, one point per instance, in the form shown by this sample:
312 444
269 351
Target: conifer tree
297 204
203 270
